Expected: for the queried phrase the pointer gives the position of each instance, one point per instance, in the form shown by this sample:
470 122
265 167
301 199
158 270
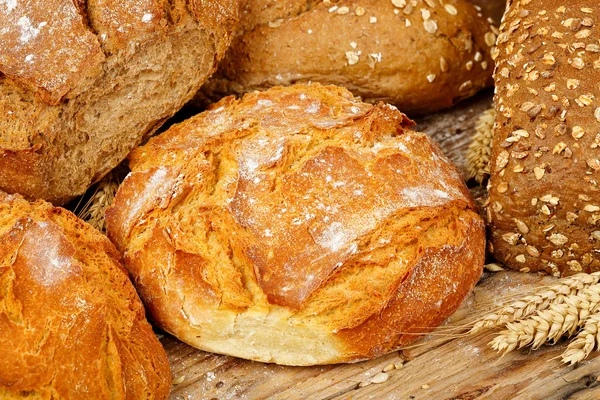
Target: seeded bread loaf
83 82
298 226
420 55
71 324
544 205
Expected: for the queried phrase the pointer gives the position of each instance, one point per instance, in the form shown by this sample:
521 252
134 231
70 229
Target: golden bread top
286 197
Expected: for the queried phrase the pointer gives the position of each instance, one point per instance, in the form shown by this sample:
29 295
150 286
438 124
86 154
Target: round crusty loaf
420 55
544 205
298 226
71 324
83 82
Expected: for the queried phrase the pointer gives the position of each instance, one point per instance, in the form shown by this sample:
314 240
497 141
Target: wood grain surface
440 367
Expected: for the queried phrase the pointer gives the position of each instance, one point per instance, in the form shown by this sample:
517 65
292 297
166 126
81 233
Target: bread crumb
425 387
372 19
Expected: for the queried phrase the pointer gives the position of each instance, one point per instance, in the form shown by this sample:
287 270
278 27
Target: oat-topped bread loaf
544 205
71 324
298 226
82 82
421 55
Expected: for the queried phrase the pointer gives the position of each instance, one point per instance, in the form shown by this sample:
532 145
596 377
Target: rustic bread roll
83 82
71 323
544 205
298 226
420 55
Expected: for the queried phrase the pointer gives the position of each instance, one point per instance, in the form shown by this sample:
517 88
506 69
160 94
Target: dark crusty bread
71 324
493 9
420 55
544 205
83 82
298 226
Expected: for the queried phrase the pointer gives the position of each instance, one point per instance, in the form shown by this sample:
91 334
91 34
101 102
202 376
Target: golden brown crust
46 46
544 194
425 297
88 80
71 324
422 57
293 217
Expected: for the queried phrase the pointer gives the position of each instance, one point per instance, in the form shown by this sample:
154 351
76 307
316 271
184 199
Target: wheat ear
537 301
586 341
480 149
552 323
93 211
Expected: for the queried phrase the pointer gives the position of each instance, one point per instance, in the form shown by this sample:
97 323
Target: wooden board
440 368
460 368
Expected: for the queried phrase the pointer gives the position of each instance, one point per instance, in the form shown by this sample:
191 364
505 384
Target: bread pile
71 323
303 224
544 204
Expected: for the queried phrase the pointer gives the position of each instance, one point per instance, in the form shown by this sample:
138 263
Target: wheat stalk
538 301
586 341
480 149
549 313
93 210
550 324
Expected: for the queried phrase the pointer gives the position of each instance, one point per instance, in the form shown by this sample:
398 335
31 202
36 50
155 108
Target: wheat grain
493 267
586 341
480 149
539 300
